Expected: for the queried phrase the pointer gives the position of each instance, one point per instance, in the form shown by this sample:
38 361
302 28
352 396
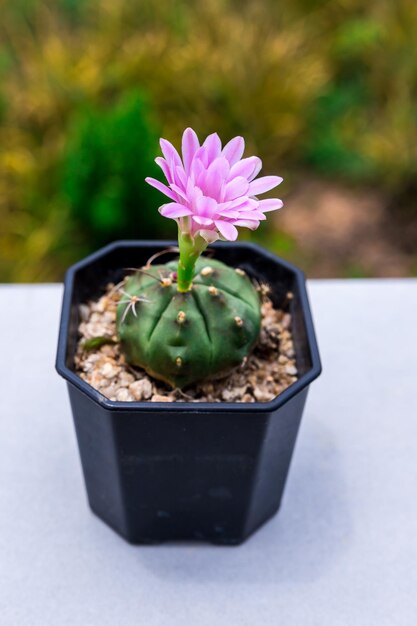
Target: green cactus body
183 337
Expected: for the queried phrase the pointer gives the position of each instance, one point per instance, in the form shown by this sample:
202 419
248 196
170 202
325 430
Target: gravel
263 375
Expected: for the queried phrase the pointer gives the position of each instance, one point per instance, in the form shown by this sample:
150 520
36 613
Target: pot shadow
307 536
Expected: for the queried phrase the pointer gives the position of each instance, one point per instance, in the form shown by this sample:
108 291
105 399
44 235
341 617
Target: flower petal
197 168
252 215
227 230
256 171
202 221
169 152
190 189
241 202
173 210
165 168
271 204
237 187
209 235
234 149
230 213
213 145
175 169
202 155
161 187
245 167
179 192
190 145
252 224
265 183
181 176
206 207
217 172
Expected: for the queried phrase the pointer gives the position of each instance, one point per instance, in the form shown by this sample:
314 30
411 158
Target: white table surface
342 550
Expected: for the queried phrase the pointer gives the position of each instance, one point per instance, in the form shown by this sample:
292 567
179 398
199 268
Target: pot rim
189 407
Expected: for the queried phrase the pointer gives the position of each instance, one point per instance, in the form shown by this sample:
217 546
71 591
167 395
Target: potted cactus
189 470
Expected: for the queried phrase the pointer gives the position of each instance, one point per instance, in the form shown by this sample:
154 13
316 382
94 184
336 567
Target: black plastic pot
169 471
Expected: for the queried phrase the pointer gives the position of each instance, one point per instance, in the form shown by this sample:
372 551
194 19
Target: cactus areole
196 318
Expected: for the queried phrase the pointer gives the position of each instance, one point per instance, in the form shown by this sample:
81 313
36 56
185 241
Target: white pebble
84 312
123 395
126 379
263 395
109 370
141 389
159 398
228 395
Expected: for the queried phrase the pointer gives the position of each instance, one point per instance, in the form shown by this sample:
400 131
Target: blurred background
324 91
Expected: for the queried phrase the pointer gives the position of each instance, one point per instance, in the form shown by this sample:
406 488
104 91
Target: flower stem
190 250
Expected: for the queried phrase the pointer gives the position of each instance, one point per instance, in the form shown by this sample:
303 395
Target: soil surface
264 374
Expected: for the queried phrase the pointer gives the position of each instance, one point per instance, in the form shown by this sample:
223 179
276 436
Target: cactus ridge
183 337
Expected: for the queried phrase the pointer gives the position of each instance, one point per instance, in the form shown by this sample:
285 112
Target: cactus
182 337
196 318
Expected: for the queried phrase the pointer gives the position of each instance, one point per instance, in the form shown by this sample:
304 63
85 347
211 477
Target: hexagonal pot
177 471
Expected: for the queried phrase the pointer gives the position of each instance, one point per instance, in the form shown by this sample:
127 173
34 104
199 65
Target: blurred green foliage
87 86
108 156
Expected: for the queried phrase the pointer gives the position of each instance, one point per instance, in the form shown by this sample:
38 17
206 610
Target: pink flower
213 189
